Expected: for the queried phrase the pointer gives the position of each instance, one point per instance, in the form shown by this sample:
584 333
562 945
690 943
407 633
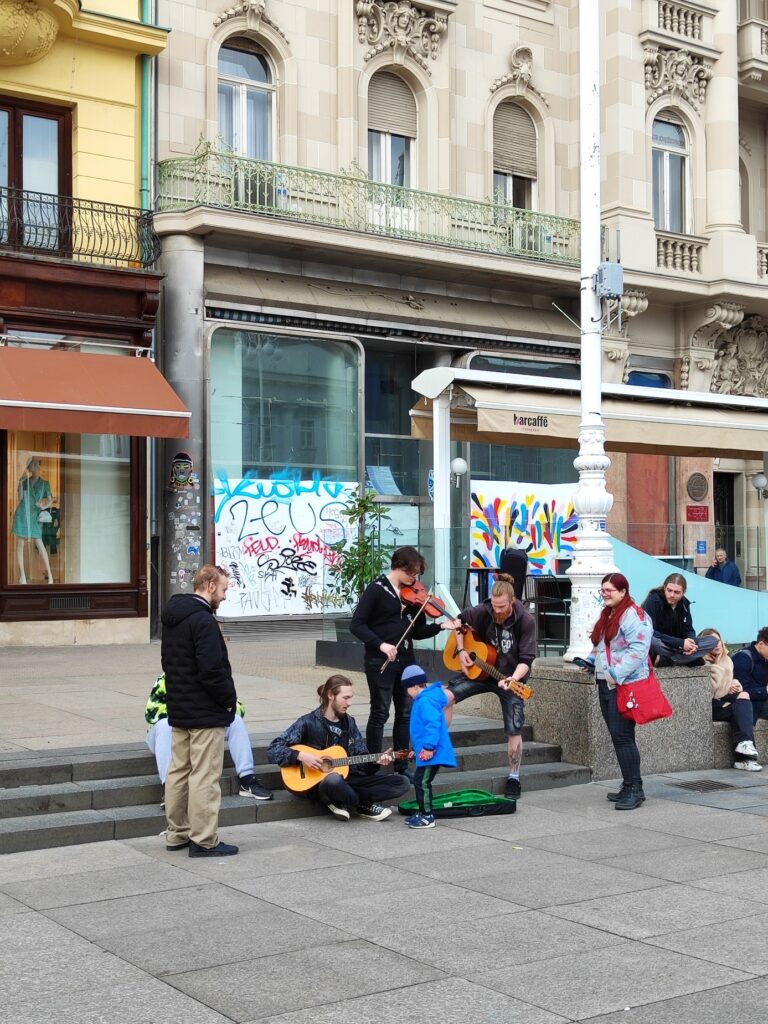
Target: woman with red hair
622 641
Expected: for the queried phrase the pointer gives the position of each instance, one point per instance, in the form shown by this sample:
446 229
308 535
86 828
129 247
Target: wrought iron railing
350 201
77 230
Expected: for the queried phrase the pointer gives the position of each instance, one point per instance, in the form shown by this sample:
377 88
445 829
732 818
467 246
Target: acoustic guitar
483 661
299 778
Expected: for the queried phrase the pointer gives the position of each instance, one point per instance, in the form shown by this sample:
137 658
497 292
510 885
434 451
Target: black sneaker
512 790
219 850
177 846
250 786
375 812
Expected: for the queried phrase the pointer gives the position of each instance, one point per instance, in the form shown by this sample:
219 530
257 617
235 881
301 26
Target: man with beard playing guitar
502 622
330 726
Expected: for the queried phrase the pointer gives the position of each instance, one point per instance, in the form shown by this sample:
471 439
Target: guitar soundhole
327 765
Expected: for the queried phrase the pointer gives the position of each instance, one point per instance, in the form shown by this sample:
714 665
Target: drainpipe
147 18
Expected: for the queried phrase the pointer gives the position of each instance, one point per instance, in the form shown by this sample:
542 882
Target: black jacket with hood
198 676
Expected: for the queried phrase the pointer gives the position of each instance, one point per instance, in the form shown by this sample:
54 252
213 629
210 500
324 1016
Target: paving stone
603 844
580 986
433 905
8 905
508 942
448 1001
744 1002
94 886
702 862
68 860
255 989
657 911
743 946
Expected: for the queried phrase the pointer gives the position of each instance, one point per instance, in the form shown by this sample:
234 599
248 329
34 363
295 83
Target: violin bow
412 623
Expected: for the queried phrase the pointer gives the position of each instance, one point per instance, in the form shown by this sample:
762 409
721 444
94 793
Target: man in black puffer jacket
201 704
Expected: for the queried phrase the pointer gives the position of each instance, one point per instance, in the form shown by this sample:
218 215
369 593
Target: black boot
631 798
613 797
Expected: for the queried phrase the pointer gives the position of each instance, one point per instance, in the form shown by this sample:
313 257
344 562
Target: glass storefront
68 508
282 402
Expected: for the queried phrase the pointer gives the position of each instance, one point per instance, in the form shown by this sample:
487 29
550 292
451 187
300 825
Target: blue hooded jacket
429 728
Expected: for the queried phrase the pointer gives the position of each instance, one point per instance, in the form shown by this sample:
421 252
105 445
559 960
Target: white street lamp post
593 552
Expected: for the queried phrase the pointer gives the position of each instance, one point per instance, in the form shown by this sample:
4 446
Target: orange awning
81 393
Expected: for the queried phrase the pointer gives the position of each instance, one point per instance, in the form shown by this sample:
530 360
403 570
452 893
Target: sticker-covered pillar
183 462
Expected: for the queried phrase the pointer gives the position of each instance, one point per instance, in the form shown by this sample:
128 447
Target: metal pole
593 552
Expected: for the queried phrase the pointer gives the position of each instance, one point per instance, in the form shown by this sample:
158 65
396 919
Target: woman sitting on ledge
730 703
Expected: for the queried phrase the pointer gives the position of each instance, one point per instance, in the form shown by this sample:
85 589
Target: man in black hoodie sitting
201 704
674 638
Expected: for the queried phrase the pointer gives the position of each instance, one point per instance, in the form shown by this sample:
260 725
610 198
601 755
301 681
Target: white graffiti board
274 537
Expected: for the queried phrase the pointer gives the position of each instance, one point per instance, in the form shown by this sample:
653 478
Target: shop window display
68 508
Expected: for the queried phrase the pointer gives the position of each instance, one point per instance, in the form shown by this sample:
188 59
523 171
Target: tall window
514 156
744 195
670 170
35 169
392 121
246 99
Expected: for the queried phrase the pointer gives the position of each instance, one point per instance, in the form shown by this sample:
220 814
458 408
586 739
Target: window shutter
391 106
514 141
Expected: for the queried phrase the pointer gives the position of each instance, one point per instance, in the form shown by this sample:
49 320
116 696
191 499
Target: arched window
392 122
246 99
514 156
670 174
744 195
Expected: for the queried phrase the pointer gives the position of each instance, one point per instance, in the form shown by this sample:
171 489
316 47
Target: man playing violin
503 622
380 621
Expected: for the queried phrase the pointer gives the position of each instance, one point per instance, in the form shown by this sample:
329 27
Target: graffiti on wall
538 518
275 538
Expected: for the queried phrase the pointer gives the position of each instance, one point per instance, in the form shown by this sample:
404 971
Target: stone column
721 111
184 533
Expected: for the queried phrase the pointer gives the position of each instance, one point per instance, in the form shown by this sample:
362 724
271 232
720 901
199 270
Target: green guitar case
464 803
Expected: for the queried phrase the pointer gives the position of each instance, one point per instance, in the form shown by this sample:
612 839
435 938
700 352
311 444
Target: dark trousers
384 690
739 714
422 783
360 790
705 645
622 733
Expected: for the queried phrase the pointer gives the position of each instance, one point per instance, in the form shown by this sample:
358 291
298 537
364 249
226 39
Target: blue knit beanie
413 676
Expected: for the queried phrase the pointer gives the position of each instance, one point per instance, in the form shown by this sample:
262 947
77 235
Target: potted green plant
365 557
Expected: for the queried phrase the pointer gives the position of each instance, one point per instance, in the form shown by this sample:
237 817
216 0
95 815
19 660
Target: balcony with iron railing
351 202
76 230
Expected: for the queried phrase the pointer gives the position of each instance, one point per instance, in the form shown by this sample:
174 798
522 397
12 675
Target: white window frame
385 157
664 183
240 114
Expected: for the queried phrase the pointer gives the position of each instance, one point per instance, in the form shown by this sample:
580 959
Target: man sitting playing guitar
503 622
330 726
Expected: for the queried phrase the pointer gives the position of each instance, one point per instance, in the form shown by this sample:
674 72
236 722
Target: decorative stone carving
402 28
677 74
520 73
703 326
741 359
254 12
615 358
27 32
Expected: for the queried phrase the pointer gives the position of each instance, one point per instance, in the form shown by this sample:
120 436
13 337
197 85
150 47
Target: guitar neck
340 762
491 670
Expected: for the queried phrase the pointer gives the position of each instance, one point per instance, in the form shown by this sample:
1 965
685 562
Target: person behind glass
379 621
621 640
731 703
674 638
505 624
724 571
331 725
34 493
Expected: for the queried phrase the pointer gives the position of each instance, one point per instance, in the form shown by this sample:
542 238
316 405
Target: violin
418 596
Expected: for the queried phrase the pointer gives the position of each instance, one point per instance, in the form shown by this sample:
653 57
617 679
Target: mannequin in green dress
34 497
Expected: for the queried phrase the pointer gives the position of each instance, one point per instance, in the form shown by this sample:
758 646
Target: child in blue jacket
430 740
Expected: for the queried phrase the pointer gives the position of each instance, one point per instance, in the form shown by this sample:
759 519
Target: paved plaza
566 911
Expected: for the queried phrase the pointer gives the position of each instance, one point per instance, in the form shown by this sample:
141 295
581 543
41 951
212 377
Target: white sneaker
339 812
747 748
748 766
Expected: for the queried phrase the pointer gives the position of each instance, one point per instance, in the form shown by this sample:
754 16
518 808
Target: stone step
133 790
134 759
63 828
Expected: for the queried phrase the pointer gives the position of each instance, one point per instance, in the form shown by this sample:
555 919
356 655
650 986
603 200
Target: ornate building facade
352 192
